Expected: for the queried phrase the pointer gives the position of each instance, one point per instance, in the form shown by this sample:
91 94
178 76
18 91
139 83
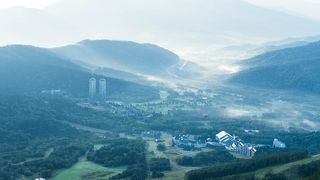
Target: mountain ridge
126 56
290 69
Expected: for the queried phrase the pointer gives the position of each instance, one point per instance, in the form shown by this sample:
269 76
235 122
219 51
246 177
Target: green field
87 170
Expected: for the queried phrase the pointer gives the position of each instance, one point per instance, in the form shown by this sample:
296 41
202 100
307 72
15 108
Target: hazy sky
304 7
26 3
308 8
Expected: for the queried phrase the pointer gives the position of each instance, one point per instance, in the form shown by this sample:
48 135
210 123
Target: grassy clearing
98 146
177 172
88 170
259 174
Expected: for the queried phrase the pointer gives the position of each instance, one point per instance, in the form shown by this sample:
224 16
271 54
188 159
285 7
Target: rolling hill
292 68
121 55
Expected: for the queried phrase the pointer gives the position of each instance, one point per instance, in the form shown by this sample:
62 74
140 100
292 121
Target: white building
224 138
246 149
232 143
278 144
251 151
103 89
92 89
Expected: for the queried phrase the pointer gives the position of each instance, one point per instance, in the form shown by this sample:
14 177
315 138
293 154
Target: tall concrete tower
92 89
103 90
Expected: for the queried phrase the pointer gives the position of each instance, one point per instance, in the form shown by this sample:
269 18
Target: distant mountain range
28 70
164 22
294 68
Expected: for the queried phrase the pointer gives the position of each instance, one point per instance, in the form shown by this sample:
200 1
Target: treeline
245 165
219 155
120 152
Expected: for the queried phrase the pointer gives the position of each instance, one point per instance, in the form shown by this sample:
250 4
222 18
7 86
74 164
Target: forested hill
293 68
22 119
27 70
121 55
32 127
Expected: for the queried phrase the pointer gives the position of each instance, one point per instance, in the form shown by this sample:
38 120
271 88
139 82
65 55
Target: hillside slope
292 68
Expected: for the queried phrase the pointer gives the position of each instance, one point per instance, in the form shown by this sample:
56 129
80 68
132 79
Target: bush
156 174
159 165
161 147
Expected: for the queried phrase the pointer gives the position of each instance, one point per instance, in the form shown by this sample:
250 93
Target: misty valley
103 109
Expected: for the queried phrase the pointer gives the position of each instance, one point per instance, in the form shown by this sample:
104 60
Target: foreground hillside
33 138
27 70
293 68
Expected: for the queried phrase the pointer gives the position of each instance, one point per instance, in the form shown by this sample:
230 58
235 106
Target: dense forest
121 152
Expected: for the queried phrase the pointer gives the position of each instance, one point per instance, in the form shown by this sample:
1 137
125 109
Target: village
190 144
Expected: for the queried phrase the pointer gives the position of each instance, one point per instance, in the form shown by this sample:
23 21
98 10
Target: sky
299 6
26 3
308 8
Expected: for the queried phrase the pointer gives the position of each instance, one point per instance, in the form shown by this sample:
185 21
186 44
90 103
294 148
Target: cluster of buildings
223 139
40 178
232 143
185 140
100 93
53 92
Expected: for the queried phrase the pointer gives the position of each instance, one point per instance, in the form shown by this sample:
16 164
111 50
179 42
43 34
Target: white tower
103 89
92 89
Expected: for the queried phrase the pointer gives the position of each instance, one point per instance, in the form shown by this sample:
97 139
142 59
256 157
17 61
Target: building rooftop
221 134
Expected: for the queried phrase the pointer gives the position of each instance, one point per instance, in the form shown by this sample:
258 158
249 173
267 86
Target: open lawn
87 170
